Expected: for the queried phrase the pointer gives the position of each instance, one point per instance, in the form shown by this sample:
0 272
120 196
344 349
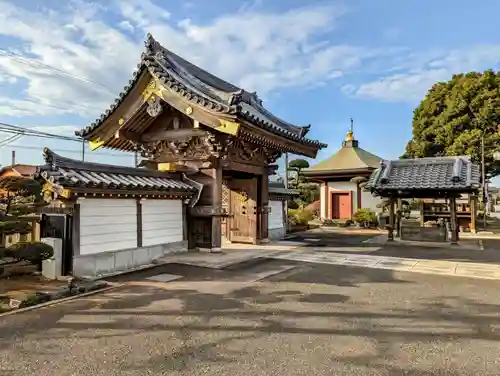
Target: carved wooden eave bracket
51 190
183 145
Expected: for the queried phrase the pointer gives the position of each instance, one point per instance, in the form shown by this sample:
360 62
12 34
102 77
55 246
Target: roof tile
205 89
439 173
72 173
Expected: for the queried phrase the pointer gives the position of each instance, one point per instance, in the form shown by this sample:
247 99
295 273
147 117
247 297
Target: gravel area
311 320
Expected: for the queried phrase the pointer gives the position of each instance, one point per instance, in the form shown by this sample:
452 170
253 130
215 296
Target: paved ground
310 320
345 242
430 266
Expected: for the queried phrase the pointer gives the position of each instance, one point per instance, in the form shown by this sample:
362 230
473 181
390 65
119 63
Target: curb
58 301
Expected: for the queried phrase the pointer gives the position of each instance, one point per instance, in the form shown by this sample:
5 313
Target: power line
18 132
39 65
71 151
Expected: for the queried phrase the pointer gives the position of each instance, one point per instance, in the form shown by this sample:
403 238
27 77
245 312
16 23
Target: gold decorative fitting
166 167
243 196
229 127
350 136
121 121
189 110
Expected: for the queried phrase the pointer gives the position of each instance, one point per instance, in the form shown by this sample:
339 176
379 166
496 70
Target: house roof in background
21 169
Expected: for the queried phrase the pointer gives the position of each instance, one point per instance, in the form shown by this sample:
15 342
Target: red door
341 206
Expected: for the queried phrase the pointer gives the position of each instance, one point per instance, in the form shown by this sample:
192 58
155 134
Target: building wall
162 222
276 214
276 226
107 225
108 235
367 200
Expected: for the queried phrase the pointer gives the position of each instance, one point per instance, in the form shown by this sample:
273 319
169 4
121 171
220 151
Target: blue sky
313 62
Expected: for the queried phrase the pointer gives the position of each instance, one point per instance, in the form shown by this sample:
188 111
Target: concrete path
449 268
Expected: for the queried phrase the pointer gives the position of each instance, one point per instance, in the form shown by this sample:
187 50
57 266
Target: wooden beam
124 134
173 134
75 231
453 220
216 243
139 221
473 210
390 228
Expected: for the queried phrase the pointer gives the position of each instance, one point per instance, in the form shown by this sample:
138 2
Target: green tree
22 197
454 116
298 165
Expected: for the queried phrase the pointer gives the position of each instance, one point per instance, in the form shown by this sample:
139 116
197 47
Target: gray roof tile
205 89
439 173
279 189
72 173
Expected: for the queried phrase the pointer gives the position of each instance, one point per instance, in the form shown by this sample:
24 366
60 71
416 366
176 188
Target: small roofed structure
115 218
340 177
436 177
179 117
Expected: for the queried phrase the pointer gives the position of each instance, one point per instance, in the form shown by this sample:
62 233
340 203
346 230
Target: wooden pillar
422 216
264 208
453 220
390 228
473 210
138 213
75 231
399 215
216 241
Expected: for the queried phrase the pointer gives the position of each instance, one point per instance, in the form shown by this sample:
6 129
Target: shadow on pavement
312 302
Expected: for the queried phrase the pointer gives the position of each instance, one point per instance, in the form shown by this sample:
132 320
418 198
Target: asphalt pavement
312 319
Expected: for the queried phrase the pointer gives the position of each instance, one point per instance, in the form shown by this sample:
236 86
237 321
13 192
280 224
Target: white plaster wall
276 215
107 225
162 222
369 201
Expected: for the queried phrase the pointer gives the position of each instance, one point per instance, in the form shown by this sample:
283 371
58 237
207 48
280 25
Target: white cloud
418 72
72 61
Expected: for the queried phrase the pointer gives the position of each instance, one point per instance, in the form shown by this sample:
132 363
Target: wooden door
341 206
243 210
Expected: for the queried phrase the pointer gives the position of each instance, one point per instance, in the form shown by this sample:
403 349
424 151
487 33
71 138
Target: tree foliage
454 115
22 197
298 164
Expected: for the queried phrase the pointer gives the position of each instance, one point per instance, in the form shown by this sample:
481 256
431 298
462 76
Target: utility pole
83 150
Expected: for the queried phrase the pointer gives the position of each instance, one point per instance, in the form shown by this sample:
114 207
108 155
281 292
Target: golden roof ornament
349 140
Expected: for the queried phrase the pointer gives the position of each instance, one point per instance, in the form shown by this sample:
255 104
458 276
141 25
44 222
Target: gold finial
350 134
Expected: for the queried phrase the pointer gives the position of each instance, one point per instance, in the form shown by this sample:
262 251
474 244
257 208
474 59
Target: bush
32 252
336 222
365 217
299 216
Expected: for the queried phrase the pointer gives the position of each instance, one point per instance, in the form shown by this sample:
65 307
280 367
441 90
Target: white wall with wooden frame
162 221
107 224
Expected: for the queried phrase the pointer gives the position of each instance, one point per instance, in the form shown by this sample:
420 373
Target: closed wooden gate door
243 210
